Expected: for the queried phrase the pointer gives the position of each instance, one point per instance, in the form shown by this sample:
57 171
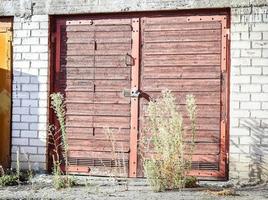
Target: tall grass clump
119 172
58 139
165 139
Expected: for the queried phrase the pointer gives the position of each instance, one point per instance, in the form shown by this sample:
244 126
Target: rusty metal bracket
129 60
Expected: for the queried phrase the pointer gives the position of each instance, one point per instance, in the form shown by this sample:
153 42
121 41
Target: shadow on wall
29 119
258 166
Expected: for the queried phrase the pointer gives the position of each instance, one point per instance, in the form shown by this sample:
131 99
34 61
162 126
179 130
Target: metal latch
135 92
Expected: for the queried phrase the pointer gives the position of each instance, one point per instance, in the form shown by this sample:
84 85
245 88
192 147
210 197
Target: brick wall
249 93
30 71
249 75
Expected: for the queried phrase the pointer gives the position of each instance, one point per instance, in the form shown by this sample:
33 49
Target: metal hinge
95 45
129 60
227 33
227 157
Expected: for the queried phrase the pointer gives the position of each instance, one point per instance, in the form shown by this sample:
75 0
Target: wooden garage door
187 55
93 71
108 69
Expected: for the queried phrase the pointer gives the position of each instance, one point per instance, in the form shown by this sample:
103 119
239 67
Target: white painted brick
250 88
248 140
20 110
235 70
42 134
239 149
251 53
259 79
259 44
20 141
250 105
30 25
260 27
17 41
43 25
235 53
240 79
240 97
235 105
37 142
260 114
240 45
29 71
30 40
15 118
245 36
16 87
265 71
42 118
43 87
235 88
234 139
39 33
41 150
29 118
239 27
38 95
265 35
38 158
264 105
21 64
21 48
39 64
30 56
21 95
43 103
244 158
16 56
236 18
17 26
40 111
34 79
30 87
39 49
38 126
265 53
240 113
235 36
21 79
255 35
39 18
28 150
251 70
259 97
240 131
265 88
251 18
15 133
14 149
29 103
43 56
29 134
22 33
240 61
43 72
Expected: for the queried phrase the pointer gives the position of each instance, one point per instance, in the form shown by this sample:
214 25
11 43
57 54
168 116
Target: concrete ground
103 188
